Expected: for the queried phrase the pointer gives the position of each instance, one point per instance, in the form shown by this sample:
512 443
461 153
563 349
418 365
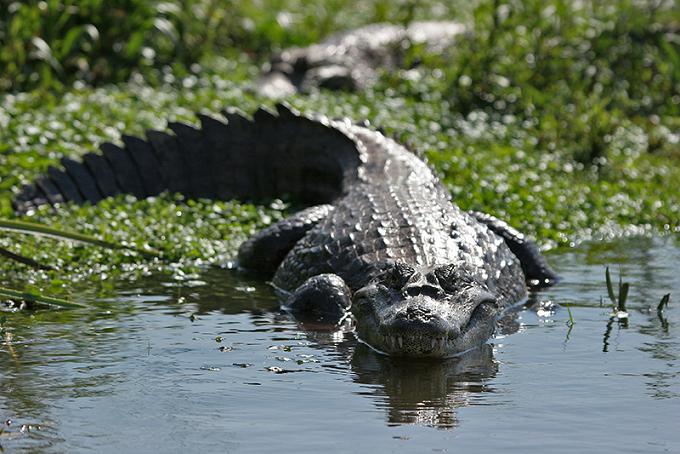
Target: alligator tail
274 154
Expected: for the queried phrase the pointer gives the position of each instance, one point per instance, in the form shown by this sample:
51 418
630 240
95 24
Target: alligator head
434 311
304 68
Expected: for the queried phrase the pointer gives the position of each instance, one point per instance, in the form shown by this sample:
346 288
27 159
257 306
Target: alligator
380 238
350 60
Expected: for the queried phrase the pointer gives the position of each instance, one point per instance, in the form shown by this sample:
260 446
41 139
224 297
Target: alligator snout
422 322
417 328
430 290
424 313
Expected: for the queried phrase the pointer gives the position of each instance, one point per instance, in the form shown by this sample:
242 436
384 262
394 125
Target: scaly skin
426 278
381 238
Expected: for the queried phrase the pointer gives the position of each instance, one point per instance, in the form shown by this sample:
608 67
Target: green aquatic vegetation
663 303
36 299
488 164
186 234
536 144
570 322
618 303
32 228
23 260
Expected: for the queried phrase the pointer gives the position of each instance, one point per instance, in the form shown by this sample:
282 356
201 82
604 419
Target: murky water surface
215 367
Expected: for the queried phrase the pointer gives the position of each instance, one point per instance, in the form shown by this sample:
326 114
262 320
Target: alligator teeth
400 341
441 342
432 343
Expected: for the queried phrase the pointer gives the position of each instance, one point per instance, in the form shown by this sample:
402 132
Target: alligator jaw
416 345
423 346
426 327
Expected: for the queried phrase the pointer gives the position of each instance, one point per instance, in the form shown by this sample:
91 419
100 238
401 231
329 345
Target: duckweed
563 167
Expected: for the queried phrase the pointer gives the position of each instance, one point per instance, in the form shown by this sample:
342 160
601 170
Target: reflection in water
650 266
424 392
416 391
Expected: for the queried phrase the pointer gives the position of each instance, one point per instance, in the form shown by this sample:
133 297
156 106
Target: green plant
34 298
37 229
514 158
572 70
24 260
618 303
663 303
52 43
570 322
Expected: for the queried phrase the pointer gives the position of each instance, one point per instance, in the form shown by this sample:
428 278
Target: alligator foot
265 250
324 297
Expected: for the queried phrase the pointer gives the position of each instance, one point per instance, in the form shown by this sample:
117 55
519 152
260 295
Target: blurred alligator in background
351 60
380 238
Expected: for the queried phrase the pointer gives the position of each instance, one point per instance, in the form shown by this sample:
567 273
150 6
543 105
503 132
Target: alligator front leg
265 250
536 269
324 297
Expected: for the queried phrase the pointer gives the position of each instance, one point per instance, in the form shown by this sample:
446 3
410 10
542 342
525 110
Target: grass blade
663 303
570 323
43 230
38 299
623 296
610 288
23 259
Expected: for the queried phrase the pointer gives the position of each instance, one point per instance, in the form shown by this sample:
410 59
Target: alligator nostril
425 290
417 312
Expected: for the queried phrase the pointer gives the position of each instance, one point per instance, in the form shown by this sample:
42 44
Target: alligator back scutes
274 154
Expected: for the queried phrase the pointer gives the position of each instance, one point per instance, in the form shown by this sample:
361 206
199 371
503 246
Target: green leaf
69 40
43 230
134 44
663 303
623 296
37 299
23 259
610 288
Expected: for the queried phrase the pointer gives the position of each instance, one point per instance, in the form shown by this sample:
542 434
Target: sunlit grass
561 160
51 44
36 299
32 228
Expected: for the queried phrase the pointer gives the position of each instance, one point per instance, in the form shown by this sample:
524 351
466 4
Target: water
140 374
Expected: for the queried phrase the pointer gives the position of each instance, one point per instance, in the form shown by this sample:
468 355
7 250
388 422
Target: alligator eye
447 279
454 278
396 276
